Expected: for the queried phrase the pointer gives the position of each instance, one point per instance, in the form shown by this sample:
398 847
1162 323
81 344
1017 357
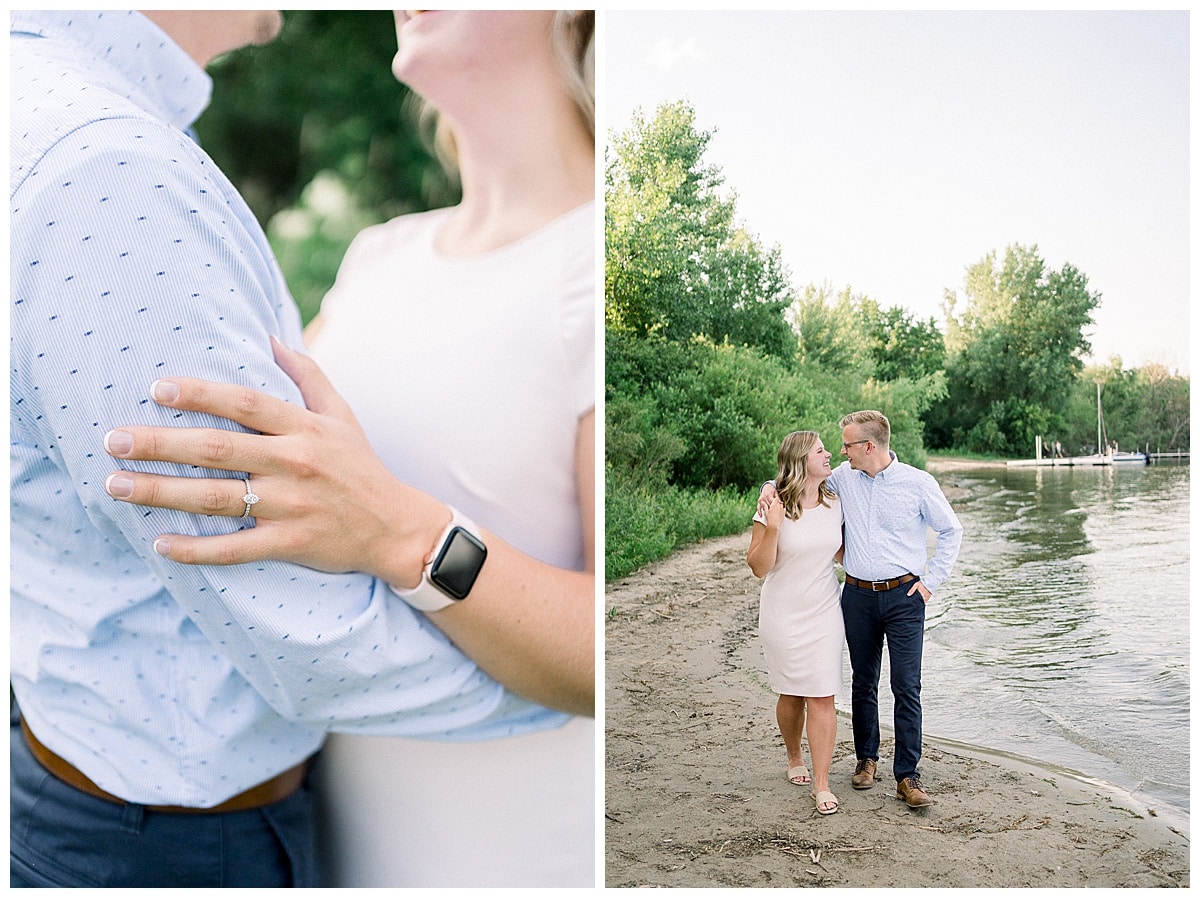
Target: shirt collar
128 54
887 472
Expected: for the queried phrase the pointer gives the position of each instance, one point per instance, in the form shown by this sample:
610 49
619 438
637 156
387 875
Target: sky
889 151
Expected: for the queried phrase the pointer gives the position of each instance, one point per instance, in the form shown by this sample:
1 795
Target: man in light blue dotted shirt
168 712
888 508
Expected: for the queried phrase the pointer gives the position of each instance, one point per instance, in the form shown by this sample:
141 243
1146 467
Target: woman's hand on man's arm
326 501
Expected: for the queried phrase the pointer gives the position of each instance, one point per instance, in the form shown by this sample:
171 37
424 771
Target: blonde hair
875 426
793 472
573 38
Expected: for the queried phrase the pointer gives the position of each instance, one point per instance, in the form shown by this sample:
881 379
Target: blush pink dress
799 611
469 376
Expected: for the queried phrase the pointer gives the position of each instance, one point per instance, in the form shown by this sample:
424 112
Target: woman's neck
811 494
521 167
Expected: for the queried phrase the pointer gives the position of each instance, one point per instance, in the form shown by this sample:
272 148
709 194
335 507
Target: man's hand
775 513
765 497
925 593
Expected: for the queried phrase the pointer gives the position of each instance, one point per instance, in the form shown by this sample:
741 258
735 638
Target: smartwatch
457 560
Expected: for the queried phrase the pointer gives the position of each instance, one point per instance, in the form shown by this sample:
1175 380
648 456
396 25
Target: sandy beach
695 787
945 464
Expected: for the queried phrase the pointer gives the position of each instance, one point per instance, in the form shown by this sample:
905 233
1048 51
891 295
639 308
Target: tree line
712 355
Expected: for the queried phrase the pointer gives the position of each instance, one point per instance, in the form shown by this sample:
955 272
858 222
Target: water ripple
1041 642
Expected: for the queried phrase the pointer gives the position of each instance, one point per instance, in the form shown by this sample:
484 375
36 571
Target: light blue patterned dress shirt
133 258
888 518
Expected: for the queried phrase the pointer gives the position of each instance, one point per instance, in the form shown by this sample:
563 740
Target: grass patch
645 524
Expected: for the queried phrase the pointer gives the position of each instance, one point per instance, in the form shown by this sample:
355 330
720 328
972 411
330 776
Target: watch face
458 564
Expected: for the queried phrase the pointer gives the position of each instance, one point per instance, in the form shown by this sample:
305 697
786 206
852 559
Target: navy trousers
62 837
872 618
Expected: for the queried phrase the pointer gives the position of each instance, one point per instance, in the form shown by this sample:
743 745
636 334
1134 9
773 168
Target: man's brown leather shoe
864 774
910 790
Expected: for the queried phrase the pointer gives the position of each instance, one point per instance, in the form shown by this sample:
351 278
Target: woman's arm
328 502
530 625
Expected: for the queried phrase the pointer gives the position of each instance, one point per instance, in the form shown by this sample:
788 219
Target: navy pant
871 618
62 837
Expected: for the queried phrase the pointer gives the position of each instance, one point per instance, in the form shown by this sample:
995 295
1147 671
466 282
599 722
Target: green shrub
692 430
646 524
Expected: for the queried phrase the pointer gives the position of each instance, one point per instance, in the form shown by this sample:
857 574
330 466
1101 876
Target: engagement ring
249 498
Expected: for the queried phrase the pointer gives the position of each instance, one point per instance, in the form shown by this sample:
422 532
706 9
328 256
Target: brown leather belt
275 789
880 585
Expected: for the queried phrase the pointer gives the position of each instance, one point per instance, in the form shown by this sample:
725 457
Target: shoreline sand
695 788
940 465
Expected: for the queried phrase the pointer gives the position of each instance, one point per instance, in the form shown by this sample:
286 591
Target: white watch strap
425 596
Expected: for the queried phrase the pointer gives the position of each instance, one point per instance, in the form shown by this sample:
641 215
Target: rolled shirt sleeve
940 517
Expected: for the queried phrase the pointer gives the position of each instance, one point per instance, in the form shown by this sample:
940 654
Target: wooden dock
1120 459
1082 461
1156 457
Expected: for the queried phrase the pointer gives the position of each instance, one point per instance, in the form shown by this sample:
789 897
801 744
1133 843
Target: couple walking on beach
872 514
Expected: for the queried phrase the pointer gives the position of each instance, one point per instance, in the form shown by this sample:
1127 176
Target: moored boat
1109 456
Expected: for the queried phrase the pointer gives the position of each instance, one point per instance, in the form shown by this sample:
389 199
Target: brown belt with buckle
880 585
275 789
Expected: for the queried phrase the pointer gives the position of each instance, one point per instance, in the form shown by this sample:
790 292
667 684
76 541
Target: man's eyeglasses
854 443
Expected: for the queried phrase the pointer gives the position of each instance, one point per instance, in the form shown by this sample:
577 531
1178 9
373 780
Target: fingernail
119 485
164 391
162 546
118 442
278 348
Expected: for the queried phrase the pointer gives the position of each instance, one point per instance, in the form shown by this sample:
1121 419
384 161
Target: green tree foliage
827 328
891 361
1143 407
901 346
1013 353
676 264
321 98
851 332
709 416
700 386
748 288
704 376
316 134
1165 405
904 401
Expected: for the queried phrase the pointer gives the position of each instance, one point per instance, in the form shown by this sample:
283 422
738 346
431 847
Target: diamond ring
249 498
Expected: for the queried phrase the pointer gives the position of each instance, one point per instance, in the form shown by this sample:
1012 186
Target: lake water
1062 635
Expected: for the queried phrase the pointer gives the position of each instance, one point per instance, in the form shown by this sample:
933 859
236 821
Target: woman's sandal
825 797
798 776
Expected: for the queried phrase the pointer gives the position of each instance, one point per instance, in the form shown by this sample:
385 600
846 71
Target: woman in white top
793 546
464 341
